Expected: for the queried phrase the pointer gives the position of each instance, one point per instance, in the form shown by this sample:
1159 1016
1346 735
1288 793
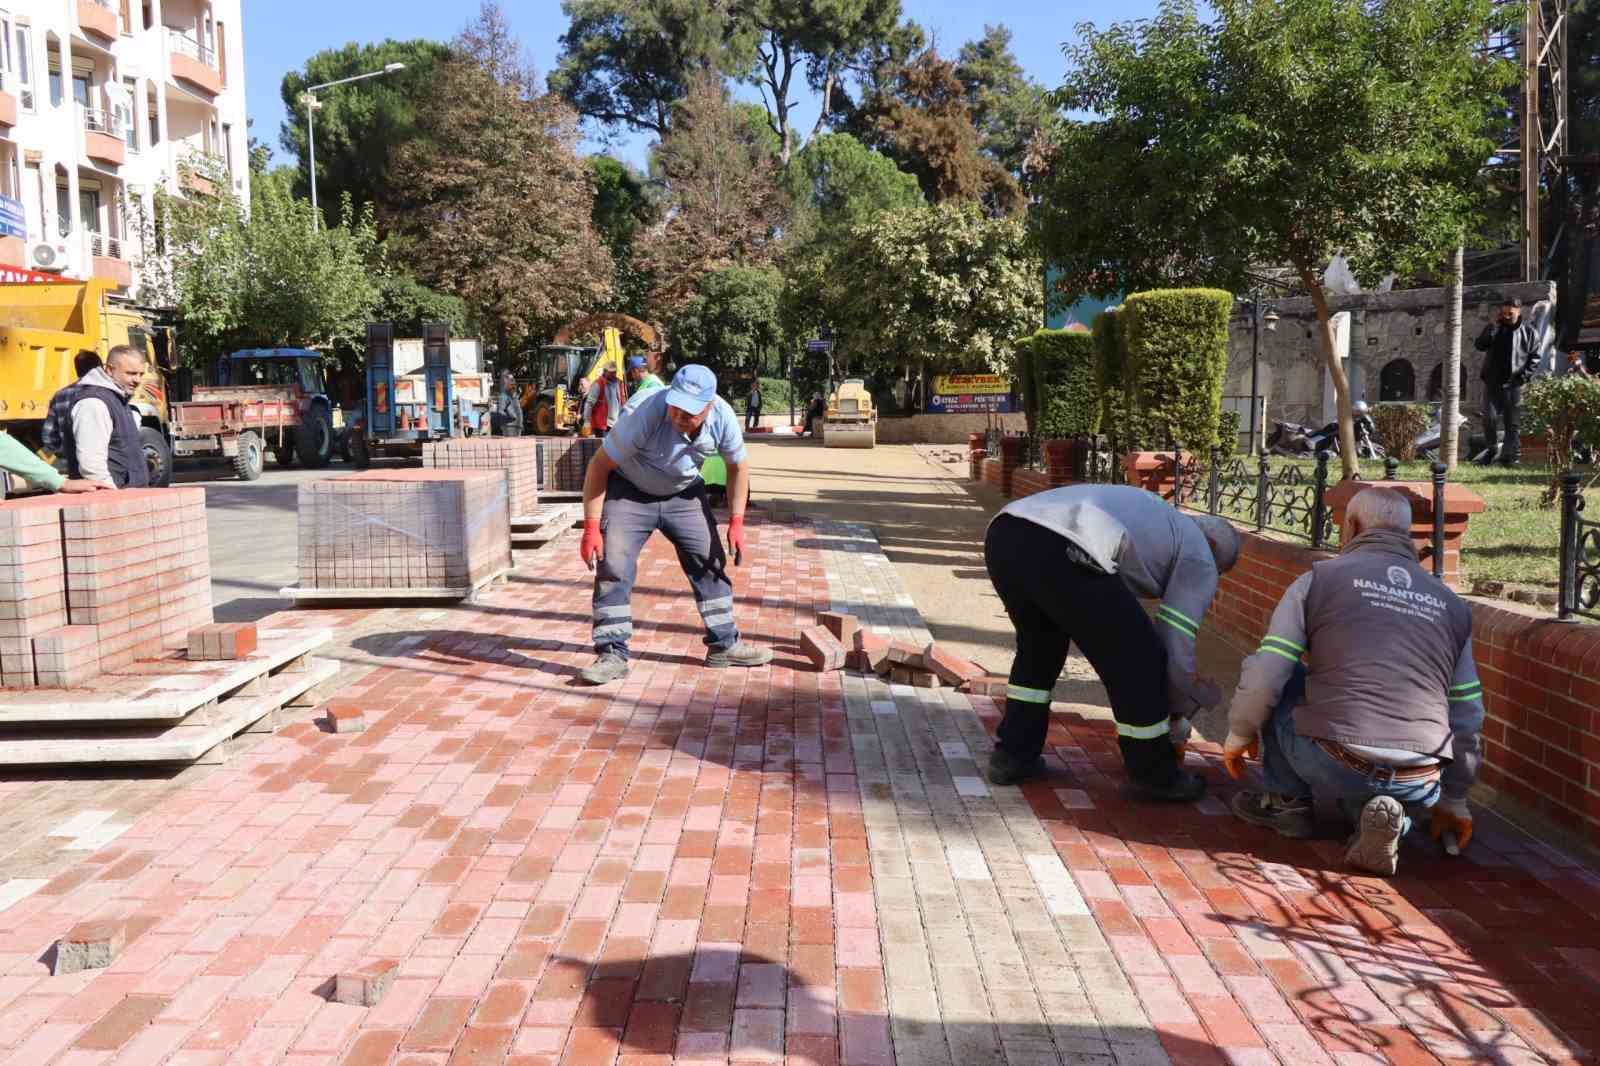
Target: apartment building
102 102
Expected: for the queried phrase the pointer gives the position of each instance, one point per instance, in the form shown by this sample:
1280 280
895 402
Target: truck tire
314 440
360 456
247 464
284 454
157 456
544 419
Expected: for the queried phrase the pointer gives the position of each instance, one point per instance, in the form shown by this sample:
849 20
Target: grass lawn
1514 539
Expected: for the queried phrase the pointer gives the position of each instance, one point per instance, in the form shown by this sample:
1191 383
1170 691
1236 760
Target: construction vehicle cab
45 323
850 421
264 399
552 400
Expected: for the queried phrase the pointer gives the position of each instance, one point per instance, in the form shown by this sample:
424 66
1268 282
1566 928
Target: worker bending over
647 477
1070 565
1390 705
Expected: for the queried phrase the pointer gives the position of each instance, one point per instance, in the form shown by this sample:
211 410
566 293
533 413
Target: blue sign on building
13 223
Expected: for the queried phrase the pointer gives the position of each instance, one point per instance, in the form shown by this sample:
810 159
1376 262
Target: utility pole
1449 410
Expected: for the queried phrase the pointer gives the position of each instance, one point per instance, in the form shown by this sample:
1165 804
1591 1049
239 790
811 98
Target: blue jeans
629 517
1294 766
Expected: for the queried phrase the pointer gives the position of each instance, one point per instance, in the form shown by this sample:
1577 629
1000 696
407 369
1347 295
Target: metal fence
1286 499
1580 555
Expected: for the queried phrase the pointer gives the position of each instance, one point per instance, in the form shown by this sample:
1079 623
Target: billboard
969 394
13 223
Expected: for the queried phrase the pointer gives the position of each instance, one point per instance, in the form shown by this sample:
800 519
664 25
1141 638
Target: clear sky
281 34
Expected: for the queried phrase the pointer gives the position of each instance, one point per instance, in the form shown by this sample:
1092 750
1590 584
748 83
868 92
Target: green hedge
1117 419
1175 353
1027 384
1064 383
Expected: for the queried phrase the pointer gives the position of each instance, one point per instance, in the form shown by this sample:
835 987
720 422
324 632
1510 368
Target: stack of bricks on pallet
91 584
397 529
223 641
563 462
826 642
517 456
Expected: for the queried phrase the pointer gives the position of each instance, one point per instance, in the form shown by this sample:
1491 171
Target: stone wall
944 429
1406 329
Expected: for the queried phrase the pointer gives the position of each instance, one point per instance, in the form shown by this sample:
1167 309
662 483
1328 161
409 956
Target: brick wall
1541 681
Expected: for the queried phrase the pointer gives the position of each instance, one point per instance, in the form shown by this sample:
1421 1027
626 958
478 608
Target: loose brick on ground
819 645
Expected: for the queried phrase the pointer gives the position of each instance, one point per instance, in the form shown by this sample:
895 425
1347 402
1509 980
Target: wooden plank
183 742
158 689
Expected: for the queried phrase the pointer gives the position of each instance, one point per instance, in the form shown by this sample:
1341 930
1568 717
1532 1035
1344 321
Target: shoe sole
1376 848
1294 830
591 680
749 664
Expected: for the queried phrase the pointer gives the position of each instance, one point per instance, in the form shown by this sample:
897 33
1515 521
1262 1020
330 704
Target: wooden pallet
206 734
164 689
544 525
405 595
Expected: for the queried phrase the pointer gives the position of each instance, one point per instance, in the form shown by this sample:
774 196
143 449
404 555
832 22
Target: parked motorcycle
1298 441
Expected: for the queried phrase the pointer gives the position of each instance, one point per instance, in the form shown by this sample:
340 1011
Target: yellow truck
850 421
44 325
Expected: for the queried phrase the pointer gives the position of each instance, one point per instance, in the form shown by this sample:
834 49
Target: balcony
8 104
193 63
107 262
102 137
98 17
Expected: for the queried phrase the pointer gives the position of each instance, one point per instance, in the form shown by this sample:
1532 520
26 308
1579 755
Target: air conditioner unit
48 257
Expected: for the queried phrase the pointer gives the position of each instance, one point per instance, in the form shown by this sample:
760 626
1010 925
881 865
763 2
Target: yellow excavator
553 401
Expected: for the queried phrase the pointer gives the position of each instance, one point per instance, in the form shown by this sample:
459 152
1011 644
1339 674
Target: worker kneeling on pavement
1069 565
1389 706
647 477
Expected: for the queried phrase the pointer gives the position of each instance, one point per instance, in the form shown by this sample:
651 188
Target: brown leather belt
1341 755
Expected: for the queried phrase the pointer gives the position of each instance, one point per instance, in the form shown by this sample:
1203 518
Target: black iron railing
1580 555
1287 499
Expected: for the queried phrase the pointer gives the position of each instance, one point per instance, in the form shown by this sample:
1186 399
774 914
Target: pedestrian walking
1070 565
94 423
1511 348
752 406
646 477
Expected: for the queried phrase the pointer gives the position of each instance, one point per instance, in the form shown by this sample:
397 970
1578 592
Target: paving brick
366 985
818 645
91 945
345 716
988 685
908 655
873 649
843 626
951 669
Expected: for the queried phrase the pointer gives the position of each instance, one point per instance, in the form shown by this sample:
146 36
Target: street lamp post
309 98
1258 319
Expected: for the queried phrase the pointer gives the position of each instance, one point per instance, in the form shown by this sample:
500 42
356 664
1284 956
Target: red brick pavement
682 869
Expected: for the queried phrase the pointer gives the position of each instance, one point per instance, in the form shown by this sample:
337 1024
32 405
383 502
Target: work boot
1008 769
1376 846
1181 787
741 654
1290 817
611 666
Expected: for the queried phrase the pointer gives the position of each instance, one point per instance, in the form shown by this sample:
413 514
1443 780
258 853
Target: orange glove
1236 750
736 538
1452 816
593 545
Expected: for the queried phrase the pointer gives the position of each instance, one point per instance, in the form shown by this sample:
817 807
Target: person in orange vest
602 404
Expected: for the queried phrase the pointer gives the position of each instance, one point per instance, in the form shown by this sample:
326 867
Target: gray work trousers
629 518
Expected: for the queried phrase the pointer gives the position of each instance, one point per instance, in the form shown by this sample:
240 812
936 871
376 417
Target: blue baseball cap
692 388
635 362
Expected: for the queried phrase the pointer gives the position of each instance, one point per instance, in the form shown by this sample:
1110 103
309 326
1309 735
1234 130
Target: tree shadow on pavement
732 1004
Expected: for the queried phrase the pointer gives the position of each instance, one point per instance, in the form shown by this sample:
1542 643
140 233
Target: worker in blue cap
640 380
647 477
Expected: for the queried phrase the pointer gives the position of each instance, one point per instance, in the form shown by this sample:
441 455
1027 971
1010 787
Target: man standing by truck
506 421
99 433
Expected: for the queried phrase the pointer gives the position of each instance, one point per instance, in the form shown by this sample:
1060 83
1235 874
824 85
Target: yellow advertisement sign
965 394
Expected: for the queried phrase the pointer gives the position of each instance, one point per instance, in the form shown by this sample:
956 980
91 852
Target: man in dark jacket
1512 348
506 418
98 426
1377 731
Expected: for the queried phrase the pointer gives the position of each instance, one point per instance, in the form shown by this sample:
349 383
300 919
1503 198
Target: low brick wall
1541 681
944 429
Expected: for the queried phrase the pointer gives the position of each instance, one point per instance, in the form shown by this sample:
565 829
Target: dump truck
850 420
265 399
45 322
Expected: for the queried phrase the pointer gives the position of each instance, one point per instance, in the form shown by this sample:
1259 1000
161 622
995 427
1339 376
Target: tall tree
732 321
263 277
812 39
922 119
1010 109
941 286
1284 131
360 126
721 204
836 182
623 206
626 63
495 206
